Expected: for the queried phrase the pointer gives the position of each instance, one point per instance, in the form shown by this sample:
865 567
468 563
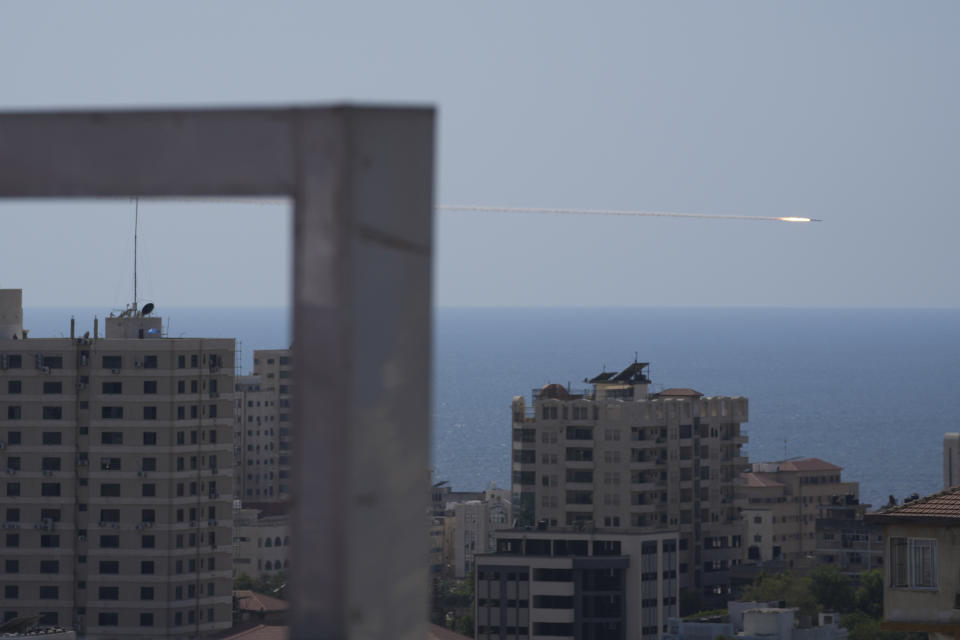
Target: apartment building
115 455
551 584
262 428
782 503
475 523
261 539
844 539
619 458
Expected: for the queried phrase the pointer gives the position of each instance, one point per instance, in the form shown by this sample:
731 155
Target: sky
839 111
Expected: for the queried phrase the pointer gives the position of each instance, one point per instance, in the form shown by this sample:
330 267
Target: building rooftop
942 507
760 480
680 392
257 602
262 632
808 464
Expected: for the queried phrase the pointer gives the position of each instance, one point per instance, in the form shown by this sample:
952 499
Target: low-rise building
845 540
261 539
582 584
782 502
922 558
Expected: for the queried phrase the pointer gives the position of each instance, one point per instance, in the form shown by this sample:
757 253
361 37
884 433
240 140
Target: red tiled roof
262 632
257 602
939 506
760 480
436 632
680 391
808 464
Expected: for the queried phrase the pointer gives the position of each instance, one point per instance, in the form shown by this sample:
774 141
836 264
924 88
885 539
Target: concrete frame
361 183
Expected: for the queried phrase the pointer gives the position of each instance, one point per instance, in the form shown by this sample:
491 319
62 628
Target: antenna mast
136 223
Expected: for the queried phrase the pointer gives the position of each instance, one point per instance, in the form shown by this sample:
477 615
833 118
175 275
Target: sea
871 390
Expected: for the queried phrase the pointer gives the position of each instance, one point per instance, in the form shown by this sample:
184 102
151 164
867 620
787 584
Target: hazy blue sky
842 111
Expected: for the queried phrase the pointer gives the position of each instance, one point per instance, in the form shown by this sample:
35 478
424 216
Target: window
149 413
13 514
148 542
149 464
52 437
13 413
148 515
14 362
212 411
109 515
149 386
913 563
150 362
110 464
110 542
11 566
13 540
111 437
13 437
111 413
146 593
14 386
146 619
53 362
13 463
11 592
108 619
112 387
150 438
109 567
112 362
109 490
50 489
13 489
109 593
194 361
146 567
193 386
181 414
50 541
50 464
53 387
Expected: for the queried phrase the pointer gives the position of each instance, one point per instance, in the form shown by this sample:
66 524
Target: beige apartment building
617 457
115 456
782 503
263 428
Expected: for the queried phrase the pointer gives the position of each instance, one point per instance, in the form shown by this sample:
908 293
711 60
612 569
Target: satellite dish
147 309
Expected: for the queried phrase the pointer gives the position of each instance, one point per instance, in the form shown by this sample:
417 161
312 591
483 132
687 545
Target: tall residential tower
117 480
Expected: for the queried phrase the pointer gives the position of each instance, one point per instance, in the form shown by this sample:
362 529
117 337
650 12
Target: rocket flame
791 219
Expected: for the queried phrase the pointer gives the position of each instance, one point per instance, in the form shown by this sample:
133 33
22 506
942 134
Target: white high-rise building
116 464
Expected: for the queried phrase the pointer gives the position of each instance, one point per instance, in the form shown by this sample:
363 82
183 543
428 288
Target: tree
789 587
832 590
869 595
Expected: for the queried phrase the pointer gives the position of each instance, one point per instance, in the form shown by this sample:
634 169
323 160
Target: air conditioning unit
214 394
44 369
137 364
81 386
211 523
102 524
115 371
193 523
142 474
82 538
47 472
11 471
140 527
83 462
3 445
115 525
148 525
